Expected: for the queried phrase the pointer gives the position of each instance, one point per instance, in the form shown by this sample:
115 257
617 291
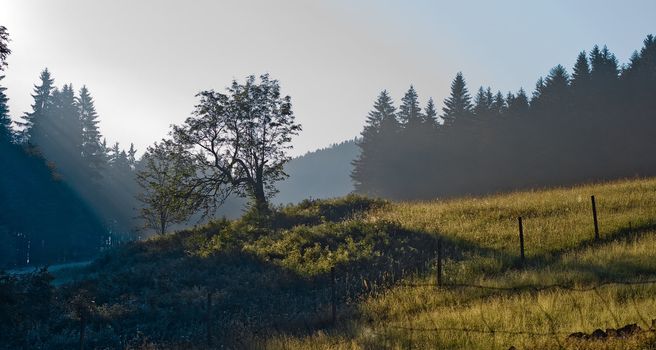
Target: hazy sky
144 61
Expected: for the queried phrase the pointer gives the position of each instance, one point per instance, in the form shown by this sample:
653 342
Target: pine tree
93 151
458 104
518 106
132 156
555 93
537 94
498 105
380 128
581 71
603 66
482 104
33 126
430 115
114 155
6 133
4 48
67 131
409 112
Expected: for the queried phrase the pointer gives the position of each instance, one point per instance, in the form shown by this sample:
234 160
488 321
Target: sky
145 60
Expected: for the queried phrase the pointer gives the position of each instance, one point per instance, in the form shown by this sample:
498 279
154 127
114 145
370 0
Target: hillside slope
273 287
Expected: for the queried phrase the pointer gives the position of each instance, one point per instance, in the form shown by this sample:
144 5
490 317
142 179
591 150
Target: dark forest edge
595 124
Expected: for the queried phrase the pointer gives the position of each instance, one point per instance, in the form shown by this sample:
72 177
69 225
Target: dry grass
483 249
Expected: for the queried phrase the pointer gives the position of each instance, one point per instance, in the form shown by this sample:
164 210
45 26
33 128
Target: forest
595 123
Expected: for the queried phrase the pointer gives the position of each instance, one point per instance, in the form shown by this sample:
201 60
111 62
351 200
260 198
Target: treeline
64 194
597 123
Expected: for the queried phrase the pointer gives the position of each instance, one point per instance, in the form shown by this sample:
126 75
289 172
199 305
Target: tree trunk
261 204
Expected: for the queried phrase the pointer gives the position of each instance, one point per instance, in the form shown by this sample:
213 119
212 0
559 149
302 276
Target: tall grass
483 249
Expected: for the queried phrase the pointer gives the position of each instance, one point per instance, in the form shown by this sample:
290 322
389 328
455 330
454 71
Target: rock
598 334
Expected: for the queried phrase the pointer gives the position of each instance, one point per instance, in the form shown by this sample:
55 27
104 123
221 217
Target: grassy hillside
270 284
565 286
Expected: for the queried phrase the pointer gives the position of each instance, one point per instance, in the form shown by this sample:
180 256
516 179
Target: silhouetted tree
92 151
165 180
409 112
430 115
518 105
4 47
239 141
581 72
34 123
6 132
482 103
380 129
458 104
132 156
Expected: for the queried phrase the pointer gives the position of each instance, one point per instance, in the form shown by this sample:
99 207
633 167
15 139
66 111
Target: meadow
567 283
273 283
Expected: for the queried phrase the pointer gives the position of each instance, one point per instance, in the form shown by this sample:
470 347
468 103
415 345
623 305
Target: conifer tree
4 48
33 126
132 156
381 124
93 150
498 105
482 103
6 133
409 112
603 66
114 155
458 104
552 94
581 71
537 94
518 106
430 115
67 128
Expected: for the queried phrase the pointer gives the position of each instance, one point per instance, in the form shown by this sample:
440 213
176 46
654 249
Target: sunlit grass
483 249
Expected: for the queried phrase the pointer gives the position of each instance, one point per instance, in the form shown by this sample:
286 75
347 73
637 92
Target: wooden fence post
521 239
439 262
594 217
333 298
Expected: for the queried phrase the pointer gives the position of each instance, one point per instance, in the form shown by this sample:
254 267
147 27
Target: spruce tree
380 126
554 95
581 71
537 94
132 156
67 133
4 48
603 63
430 115
6 133
498 105
33 125
482 104
518 106
93 150
458 104
409 112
